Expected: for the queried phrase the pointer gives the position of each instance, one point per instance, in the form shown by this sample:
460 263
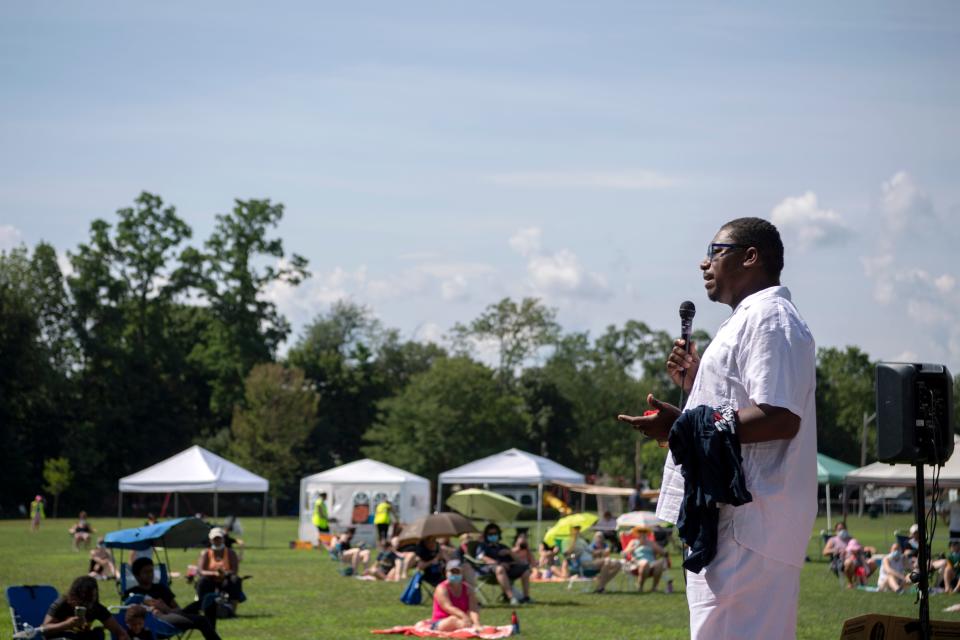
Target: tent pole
263 523
539 511
827 487
216 510
120 510
439 493
176 504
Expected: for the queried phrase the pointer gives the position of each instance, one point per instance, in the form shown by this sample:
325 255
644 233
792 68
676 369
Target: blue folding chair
128 580
29 604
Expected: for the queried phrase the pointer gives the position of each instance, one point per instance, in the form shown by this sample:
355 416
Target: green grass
299 594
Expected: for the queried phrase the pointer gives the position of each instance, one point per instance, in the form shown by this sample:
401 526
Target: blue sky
435 157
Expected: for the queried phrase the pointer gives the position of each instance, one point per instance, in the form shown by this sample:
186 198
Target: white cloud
903 202
628 179
10 237
558 274
909 272
454 288
526 242
802 218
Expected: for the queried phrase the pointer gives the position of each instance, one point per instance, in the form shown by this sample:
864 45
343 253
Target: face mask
493 537
455 578
895 555
217 547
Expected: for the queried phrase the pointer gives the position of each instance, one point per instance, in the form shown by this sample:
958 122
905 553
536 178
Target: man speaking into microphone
755 384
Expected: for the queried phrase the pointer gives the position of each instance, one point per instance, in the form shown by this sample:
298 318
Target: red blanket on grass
422 630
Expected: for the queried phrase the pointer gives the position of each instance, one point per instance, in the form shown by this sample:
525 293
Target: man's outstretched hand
657 425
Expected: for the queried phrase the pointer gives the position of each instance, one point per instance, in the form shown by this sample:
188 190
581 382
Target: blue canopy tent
176 533
179 532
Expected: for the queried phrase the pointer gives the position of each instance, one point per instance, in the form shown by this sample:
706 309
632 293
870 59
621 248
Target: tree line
141 344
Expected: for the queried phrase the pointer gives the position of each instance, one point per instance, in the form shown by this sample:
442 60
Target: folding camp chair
28 606
159 628
487 585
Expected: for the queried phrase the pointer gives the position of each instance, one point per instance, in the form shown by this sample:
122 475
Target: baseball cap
453 564
216 532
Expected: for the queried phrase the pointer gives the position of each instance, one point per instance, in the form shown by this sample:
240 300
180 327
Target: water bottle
27 632
669 585
515 622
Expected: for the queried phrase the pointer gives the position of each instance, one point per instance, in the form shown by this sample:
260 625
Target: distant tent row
354 489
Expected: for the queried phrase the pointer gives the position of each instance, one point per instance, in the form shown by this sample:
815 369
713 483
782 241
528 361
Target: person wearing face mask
892 574
218 567
454 602
499 559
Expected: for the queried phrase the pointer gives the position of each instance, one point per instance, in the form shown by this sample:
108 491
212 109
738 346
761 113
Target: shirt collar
763 294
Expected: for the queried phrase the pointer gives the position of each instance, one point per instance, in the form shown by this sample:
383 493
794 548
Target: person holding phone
72 615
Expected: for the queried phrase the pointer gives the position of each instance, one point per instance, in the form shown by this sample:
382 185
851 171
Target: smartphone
81 612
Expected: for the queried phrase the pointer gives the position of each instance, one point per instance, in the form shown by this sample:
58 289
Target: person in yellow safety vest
382 518
36 513
320 520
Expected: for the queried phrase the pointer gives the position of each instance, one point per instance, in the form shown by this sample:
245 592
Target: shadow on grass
247 616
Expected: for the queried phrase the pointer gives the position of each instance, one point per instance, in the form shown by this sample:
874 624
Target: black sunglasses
714 248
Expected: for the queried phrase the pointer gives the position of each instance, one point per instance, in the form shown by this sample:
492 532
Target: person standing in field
37 513
757 380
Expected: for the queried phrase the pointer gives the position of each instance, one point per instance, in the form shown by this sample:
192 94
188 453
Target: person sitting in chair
388 566
430 560
600 562
645 558
70 616
159 599
893 576
81 532
497 558
454 603
218 569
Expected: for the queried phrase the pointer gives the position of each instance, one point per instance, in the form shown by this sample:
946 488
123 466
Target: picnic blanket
422 630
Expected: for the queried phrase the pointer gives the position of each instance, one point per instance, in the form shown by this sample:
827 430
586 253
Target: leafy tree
519 331
445 417
354 364
844 393
232 279
128 282
57 477
270 429
36 392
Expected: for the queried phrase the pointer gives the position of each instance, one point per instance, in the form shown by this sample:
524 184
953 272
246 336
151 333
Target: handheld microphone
687 311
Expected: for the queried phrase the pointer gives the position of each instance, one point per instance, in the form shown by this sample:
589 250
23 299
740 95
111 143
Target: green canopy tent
831 471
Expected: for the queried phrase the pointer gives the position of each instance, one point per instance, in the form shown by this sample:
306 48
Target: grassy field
299 594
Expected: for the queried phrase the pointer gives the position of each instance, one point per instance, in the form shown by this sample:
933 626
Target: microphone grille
687 310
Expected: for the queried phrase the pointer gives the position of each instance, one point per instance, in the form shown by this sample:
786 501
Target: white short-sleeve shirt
763 354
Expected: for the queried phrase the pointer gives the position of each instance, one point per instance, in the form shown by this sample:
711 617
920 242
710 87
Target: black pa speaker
914 413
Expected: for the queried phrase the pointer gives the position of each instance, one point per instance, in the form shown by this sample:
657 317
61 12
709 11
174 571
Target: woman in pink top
454 605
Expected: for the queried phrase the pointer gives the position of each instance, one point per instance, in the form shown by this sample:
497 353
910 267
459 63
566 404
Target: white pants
742 594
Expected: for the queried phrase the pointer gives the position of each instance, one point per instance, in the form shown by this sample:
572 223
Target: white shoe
514 601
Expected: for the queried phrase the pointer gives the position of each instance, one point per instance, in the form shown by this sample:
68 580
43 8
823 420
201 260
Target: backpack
412 595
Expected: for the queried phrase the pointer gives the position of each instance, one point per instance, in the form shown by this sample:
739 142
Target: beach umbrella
442 525
562 527
643 519
479 504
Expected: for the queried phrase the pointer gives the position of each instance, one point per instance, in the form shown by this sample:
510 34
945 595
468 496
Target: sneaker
514 601
526 600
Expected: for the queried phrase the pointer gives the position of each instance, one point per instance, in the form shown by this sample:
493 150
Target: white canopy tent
512 466
905 475
194 470
356 488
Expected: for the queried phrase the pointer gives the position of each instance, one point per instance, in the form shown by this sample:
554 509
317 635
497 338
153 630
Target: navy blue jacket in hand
704 443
